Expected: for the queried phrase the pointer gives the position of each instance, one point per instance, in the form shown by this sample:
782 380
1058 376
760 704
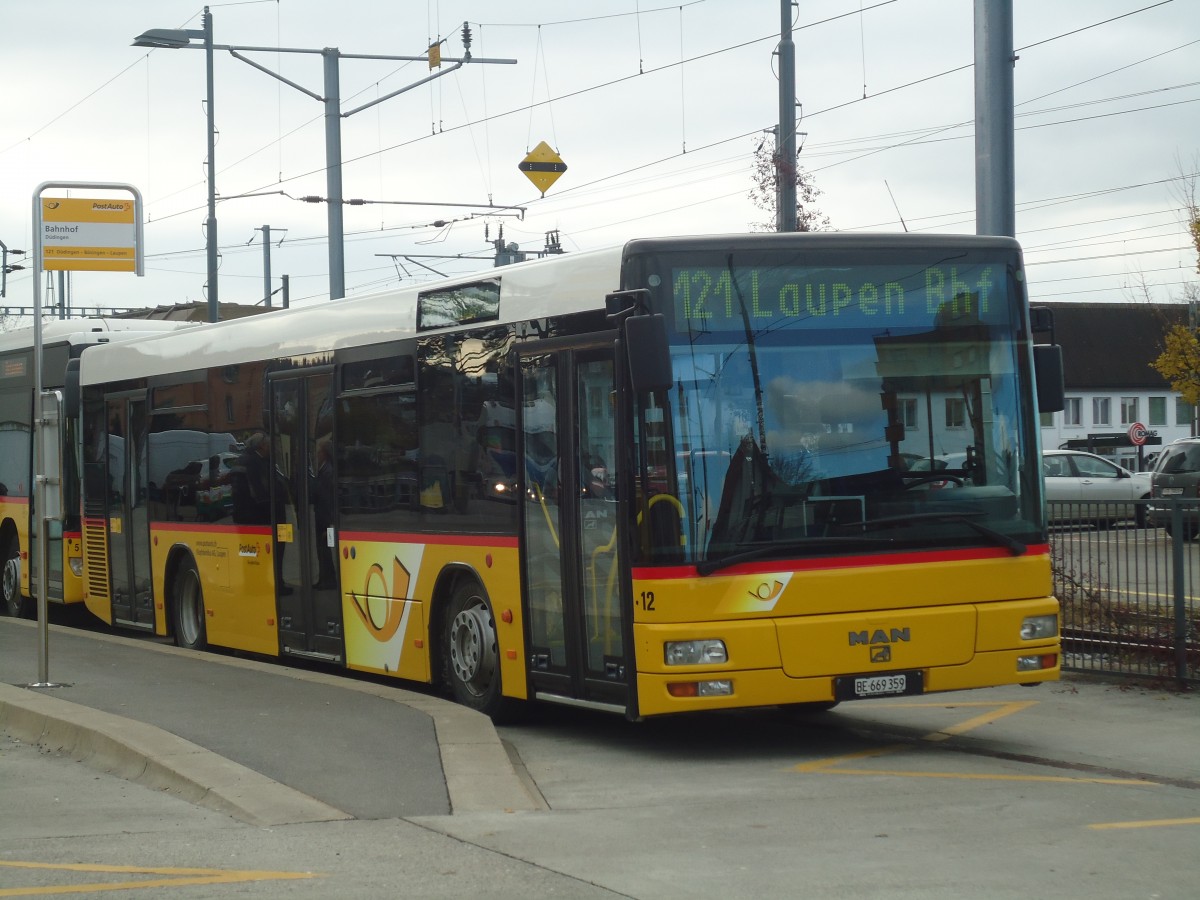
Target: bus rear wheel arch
187 605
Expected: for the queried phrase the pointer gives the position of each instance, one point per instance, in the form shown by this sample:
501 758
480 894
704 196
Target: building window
908 413
1158 411
1046 419
1073 411
1129 410
1101 411
956 413
1184 413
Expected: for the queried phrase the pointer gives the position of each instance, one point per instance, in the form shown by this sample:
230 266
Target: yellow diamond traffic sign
542 166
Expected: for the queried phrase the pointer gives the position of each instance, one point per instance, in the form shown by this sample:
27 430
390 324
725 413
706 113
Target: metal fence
1128 580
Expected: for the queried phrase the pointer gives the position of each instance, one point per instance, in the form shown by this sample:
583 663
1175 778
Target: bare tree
1179 363
768 168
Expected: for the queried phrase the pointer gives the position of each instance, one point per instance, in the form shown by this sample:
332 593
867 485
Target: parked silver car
1084 487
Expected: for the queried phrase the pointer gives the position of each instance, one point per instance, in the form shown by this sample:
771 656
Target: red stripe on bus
646 573
10 498
439 539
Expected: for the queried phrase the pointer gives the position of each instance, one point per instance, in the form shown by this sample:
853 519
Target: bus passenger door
128 522
570 563
304 515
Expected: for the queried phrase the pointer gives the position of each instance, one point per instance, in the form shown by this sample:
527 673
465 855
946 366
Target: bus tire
187 608
15 604
472 652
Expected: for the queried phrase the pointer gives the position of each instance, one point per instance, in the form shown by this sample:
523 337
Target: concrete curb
155 758
479 774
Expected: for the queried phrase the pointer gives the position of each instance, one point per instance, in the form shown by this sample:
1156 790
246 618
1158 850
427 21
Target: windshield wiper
708 566
1015 547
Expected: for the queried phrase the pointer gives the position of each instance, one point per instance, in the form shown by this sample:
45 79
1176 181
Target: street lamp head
167 38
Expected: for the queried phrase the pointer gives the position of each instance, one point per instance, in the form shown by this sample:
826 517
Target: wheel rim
190 608
12 584
473 648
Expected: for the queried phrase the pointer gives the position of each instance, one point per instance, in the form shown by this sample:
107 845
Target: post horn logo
382 610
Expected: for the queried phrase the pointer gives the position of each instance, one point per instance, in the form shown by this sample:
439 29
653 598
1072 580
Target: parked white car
1084 487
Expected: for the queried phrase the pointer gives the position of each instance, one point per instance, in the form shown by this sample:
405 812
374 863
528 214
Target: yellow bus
63 341
682 474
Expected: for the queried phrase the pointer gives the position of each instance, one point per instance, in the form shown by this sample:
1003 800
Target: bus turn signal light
1036 663
720 688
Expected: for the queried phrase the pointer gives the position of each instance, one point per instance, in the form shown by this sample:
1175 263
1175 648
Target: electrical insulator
466 36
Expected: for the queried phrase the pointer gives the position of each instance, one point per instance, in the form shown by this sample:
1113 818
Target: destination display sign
711 298
89 234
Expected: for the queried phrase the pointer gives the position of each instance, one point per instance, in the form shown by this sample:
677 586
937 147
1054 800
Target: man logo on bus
879 636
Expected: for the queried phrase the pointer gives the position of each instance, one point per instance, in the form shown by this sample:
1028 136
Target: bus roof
554 285
88 331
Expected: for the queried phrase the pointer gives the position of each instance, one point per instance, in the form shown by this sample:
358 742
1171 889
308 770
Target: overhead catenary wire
581 190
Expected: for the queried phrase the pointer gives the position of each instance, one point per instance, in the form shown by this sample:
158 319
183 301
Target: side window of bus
14 443
467 431
377 459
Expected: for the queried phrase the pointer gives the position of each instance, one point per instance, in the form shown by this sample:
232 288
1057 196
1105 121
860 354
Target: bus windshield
834 406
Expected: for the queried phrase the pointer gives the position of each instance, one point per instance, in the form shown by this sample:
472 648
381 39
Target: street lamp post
173 39
331 56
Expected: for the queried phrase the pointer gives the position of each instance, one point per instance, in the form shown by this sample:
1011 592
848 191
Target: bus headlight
1035 627
76 564
694 653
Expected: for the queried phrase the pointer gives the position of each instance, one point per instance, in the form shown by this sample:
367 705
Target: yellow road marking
819 765
999 711
963 776
1006 709
176 878
834 764
1150 823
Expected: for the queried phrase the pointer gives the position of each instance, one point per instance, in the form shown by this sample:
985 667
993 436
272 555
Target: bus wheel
471 650
187 608
10 583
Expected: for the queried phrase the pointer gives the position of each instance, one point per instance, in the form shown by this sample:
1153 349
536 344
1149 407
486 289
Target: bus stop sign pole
98 235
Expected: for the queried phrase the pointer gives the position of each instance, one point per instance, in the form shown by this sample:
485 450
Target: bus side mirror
1048 371
649 355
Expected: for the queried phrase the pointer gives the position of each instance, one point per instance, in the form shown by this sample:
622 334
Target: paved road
1078 789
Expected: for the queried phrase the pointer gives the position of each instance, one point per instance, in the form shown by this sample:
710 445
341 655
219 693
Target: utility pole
5 268
785 156
266 232
333 114
995 169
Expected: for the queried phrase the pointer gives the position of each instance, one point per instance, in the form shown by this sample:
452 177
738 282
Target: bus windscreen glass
850 408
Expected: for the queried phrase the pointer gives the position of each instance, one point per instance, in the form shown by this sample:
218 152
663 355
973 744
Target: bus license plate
893 684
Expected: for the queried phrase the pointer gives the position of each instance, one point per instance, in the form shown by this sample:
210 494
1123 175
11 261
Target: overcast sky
655 109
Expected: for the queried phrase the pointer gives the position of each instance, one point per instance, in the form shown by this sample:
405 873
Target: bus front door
305 516
570 566
128 523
